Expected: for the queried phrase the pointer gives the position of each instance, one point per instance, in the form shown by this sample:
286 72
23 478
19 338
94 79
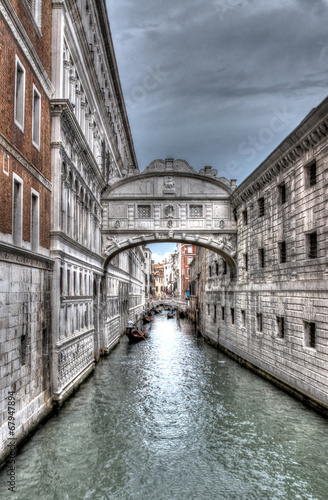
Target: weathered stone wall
25 331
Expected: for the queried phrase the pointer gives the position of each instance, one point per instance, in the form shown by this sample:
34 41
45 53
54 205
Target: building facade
272 315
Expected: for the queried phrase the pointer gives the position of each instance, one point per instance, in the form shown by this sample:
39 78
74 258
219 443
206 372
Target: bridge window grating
196 211
144 212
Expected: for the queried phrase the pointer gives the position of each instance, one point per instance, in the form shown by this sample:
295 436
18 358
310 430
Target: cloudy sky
218 82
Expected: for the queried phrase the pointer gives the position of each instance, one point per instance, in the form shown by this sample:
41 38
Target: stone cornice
64 238
105 29
24 162
21 256
26 46
307 135
64 109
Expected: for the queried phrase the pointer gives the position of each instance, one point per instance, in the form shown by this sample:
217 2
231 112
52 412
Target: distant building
148 274
187 253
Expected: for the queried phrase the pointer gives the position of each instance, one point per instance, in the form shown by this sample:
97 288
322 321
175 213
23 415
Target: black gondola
170 315
135 335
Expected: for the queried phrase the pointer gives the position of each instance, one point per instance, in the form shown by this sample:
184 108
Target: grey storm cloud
218 82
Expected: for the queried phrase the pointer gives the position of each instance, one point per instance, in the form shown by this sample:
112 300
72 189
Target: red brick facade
17 152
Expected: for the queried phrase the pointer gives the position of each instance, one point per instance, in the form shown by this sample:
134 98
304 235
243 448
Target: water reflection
173 418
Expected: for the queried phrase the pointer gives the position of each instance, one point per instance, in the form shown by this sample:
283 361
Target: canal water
172 418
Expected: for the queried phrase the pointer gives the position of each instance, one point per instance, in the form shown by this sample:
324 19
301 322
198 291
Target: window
245 217
312 251
17 220
224 267
208 309
19 95
232 315
259 325
311 175
35 218
282 252
243 317
144 212
261 257
280 327
222 313
309 334
210 271
282 193
217 268
261 207
245 259
189 250
36 118
196 211
214 314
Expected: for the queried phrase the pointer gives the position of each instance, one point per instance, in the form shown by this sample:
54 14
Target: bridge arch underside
169 202
217 246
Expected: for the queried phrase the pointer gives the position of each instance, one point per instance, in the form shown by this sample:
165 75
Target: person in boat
130 325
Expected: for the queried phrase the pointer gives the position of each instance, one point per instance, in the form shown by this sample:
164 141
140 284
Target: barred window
261 207
245 217
309 334
282 193
144 212
232 315
245 259
243 317
196 211
259 322
281 327
312 245
311 174
261 257
282 252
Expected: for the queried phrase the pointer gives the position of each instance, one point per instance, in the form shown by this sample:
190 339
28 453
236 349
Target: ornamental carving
169 211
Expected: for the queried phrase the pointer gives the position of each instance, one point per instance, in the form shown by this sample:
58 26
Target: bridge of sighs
169 201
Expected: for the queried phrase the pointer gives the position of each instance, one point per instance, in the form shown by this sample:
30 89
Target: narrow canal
173 418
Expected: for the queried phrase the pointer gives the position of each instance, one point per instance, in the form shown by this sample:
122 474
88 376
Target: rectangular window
232 315
280 327
243 317
208 309
261 207
35 221
217 268
19 95
222 313
309 334
144 212
282 193
17 220
224 267
196 211
312 250
210 271
311 175
245 259
282 252
68 282
259 325
261 257
245 217
36 117
214 314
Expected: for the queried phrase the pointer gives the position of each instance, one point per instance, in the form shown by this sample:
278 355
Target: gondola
148 319
170 315
135 335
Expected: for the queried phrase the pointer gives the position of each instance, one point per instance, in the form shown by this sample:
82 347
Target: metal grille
144 212
196 211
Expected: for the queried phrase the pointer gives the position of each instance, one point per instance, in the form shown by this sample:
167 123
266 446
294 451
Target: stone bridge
169 201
